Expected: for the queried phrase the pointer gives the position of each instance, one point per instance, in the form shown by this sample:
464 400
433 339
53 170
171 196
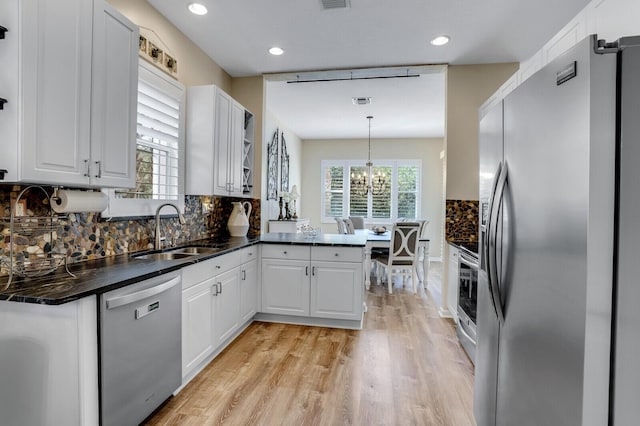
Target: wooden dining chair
403 253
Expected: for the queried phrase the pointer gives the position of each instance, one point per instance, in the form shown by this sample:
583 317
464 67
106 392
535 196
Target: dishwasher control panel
145 310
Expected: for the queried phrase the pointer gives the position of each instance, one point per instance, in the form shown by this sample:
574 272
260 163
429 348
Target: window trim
129 207
394 164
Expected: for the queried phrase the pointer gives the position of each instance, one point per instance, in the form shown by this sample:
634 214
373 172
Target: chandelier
363 184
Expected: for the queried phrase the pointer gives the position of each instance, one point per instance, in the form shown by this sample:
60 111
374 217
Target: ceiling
369 34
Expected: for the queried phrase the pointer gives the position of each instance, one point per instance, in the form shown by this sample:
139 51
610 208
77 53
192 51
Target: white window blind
159 147
158 143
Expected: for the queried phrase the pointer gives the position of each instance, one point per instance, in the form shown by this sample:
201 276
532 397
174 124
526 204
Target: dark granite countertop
344 240
99 276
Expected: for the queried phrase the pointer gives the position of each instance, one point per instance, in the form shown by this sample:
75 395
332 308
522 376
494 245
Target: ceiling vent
361 101
336 4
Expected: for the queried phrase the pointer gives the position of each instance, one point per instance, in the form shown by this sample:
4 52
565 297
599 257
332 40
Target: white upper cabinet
114 95
70 84
219 144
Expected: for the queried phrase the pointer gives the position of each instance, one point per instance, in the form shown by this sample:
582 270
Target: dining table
383 240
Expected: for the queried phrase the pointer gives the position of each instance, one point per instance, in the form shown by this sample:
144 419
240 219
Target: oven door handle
469 261
494 274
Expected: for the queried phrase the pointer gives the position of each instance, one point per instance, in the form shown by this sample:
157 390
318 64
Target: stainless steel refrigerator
558 292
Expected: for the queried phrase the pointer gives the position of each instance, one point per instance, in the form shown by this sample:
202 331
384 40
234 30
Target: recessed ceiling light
440 40
276 51
197 8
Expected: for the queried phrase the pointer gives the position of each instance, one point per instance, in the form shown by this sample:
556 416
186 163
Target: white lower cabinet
212 302
227 305
197 324
310 281
452 281
285 287
248 290
336 290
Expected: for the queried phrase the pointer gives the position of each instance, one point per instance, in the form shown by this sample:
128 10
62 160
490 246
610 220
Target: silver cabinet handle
306 271
313 271
99 165
86 168
244 275
127 299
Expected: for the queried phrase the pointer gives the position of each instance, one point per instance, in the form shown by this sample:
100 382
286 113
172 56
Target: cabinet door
285 287
197 325
248 290
114 94
336 290
55 77
227 305
452 282
222 137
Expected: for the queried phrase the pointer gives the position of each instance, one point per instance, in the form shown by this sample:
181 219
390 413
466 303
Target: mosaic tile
461 221
86 236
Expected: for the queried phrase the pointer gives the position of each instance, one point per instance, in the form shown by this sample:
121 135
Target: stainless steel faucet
158 244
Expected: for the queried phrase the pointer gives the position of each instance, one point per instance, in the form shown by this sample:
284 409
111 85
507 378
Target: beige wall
468 86
427 150
194 66
249 91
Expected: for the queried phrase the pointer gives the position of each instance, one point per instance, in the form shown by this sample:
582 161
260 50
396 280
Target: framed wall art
284 166
272 167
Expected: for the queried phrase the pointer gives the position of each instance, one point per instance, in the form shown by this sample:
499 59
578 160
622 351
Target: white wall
294 148
609 19
427 150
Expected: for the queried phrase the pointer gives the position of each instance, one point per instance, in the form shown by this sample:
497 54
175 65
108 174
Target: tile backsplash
86 236
462 220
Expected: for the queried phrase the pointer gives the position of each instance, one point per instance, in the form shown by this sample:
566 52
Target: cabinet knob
337 254
217 266
284 252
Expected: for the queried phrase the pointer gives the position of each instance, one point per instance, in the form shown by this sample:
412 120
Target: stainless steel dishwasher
140 348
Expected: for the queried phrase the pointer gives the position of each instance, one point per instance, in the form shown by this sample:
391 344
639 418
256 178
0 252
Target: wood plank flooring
404 368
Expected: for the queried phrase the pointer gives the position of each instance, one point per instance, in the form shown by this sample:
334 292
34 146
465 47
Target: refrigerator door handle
494 275
485 242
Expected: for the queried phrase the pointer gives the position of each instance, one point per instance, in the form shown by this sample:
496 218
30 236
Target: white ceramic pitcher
238 223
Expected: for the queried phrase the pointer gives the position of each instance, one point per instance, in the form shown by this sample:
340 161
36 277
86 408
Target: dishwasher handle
127 299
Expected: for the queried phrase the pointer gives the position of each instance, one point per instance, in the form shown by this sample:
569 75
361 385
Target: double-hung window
398 198
159 147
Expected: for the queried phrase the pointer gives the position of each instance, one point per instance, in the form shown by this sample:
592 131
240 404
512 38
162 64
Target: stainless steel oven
467 301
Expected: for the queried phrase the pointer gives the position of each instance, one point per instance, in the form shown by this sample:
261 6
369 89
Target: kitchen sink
177 253
193 250
161 256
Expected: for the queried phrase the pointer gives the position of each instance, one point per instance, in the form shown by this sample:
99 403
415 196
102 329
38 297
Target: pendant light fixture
367 182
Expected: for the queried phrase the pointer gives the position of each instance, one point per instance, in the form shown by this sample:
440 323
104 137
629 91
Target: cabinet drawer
337 254
201 271
284 251
248 254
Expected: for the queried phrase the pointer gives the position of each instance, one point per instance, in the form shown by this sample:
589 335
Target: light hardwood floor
404 368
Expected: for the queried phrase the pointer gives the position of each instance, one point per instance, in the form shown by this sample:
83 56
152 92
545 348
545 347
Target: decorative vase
238 223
